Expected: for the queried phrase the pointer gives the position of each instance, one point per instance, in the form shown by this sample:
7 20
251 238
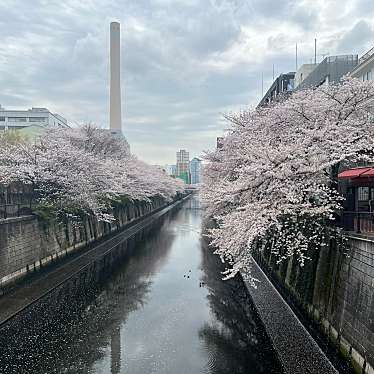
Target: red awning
368 174
357 173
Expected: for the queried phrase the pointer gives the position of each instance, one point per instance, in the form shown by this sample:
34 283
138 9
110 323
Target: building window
363 193
290 85
16 119
2 119
37 119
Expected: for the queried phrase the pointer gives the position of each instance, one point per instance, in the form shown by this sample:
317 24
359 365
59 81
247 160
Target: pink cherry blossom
273 183
82 170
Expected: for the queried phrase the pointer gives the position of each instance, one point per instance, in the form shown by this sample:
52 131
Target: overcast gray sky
184 62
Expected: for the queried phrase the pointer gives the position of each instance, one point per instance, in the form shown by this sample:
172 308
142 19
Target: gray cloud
184 62
360 34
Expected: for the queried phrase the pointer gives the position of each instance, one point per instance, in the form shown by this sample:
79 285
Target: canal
160 308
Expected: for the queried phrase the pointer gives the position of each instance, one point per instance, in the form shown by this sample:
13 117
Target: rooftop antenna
273 72
262 84
315 51
296 57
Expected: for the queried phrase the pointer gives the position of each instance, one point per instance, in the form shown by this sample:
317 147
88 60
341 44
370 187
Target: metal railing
14 210
15 200
366 56
360 222
332 68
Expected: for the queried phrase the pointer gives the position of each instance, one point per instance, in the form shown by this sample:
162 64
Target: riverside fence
16 200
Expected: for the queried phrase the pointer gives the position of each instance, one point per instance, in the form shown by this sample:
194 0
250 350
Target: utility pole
262 85
273 72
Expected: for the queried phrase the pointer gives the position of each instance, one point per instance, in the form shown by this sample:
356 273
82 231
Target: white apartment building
34 117
171 170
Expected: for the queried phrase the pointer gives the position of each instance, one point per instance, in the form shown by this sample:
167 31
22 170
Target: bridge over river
158 305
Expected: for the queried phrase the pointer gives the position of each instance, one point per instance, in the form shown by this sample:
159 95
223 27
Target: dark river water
162 309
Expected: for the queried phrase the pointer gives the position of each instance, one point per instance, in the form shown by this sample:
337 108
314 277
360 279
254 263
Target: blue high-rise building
195 170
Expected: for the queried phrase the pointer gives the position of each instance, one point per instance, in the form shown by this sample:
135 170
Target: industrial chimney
115 78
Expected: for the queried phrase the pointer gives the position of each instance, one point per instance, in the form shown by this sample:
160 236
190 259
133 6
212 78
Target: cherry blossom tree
81 171
274 181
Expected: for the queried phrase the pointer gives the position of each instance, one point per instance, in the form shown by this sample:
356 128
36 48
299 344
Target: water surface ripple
162 309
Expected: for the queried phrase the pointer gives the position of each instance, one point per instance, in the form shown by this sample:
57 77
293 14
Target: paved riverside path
297 350
21 298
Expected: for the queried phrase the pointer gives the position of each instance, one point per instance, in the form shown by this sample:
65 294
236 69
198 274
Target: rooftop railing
366 56
332 69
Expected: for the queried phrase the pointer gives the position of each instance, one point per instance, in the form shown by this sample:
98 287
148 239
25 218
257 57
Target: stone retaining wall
26 243
335 290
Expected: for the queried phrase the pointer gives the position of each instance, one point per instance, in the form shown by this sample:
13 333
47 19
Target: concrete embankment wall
335 291
27 243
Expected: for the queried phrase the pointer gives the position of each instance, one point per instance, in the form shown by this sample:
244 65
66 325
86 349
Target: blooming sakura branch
81 171
273 183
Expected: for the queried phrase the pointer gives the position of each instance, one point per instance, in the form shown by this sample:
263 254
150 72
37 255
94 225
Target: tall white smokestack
115 78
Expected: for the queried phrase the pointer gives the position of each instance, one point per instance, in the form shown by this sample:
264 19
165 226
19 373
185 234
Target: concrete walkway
296 348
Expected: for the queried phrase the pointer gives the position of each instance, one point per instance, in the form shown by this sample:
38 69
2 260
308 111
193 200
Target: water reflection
75 329
144 311
235 341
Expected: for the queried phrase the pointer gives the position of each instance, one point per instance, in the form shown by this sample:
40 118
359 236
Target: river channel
162 309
